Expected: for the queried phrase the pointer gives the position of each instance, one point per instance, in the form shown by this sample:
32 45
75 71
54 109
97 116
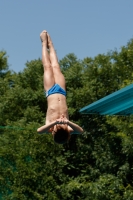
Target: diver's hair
61 136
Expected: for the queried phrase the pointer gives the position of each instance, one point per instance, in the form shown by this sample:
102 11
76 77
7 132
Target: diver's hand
62 120
65 120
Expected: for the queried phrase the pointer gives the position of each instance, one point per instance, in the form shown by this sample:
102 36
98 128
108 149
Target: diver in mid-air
57 119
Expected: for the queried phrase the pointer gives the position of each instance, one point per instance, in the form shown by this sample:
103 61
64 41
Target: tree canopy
96 165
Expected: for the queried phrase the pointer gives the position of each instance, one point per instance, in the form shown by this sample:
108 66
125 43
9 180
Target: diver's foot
50 43
43 37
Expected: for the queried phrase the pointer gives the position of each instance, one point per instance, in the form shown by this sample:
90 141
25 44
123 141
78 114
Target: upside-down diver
57 118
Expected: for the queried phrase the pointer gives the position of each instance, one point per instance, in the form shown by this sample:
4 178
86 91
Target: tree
95 165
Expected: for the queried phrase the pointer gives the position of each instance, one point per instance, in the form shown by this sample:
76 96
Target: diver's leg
58 76
49 80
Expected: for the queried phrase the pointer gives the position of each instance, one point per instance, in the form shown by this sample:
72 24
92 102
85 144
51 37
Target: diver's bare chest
56 106
55 111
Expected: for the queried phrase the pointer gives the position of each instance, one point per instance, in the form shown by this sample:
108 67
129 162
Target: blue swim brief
55 89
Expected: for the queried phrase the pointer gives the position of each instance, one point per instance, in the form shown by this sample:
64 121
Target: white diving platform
117 103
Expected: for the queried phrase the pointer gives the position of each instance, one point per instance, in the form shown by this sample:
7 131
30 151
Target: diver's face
59 126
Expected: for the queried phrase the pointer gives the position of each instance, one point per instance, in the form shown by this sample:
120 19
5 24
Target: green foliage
96 165
3 63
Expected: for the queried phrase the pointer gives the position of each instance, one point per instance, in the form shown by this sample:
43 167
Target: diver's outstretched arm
74 128
46 127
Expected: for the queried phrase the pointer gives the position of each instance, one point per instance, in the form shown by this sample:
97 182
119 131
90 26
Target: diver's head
61 134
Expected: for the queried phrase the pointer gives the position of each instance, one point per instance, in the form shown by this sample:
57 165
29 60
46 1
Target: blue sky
83 27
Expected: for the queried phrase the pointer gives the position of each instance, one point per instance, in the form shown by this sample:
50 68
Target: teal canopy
117 103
